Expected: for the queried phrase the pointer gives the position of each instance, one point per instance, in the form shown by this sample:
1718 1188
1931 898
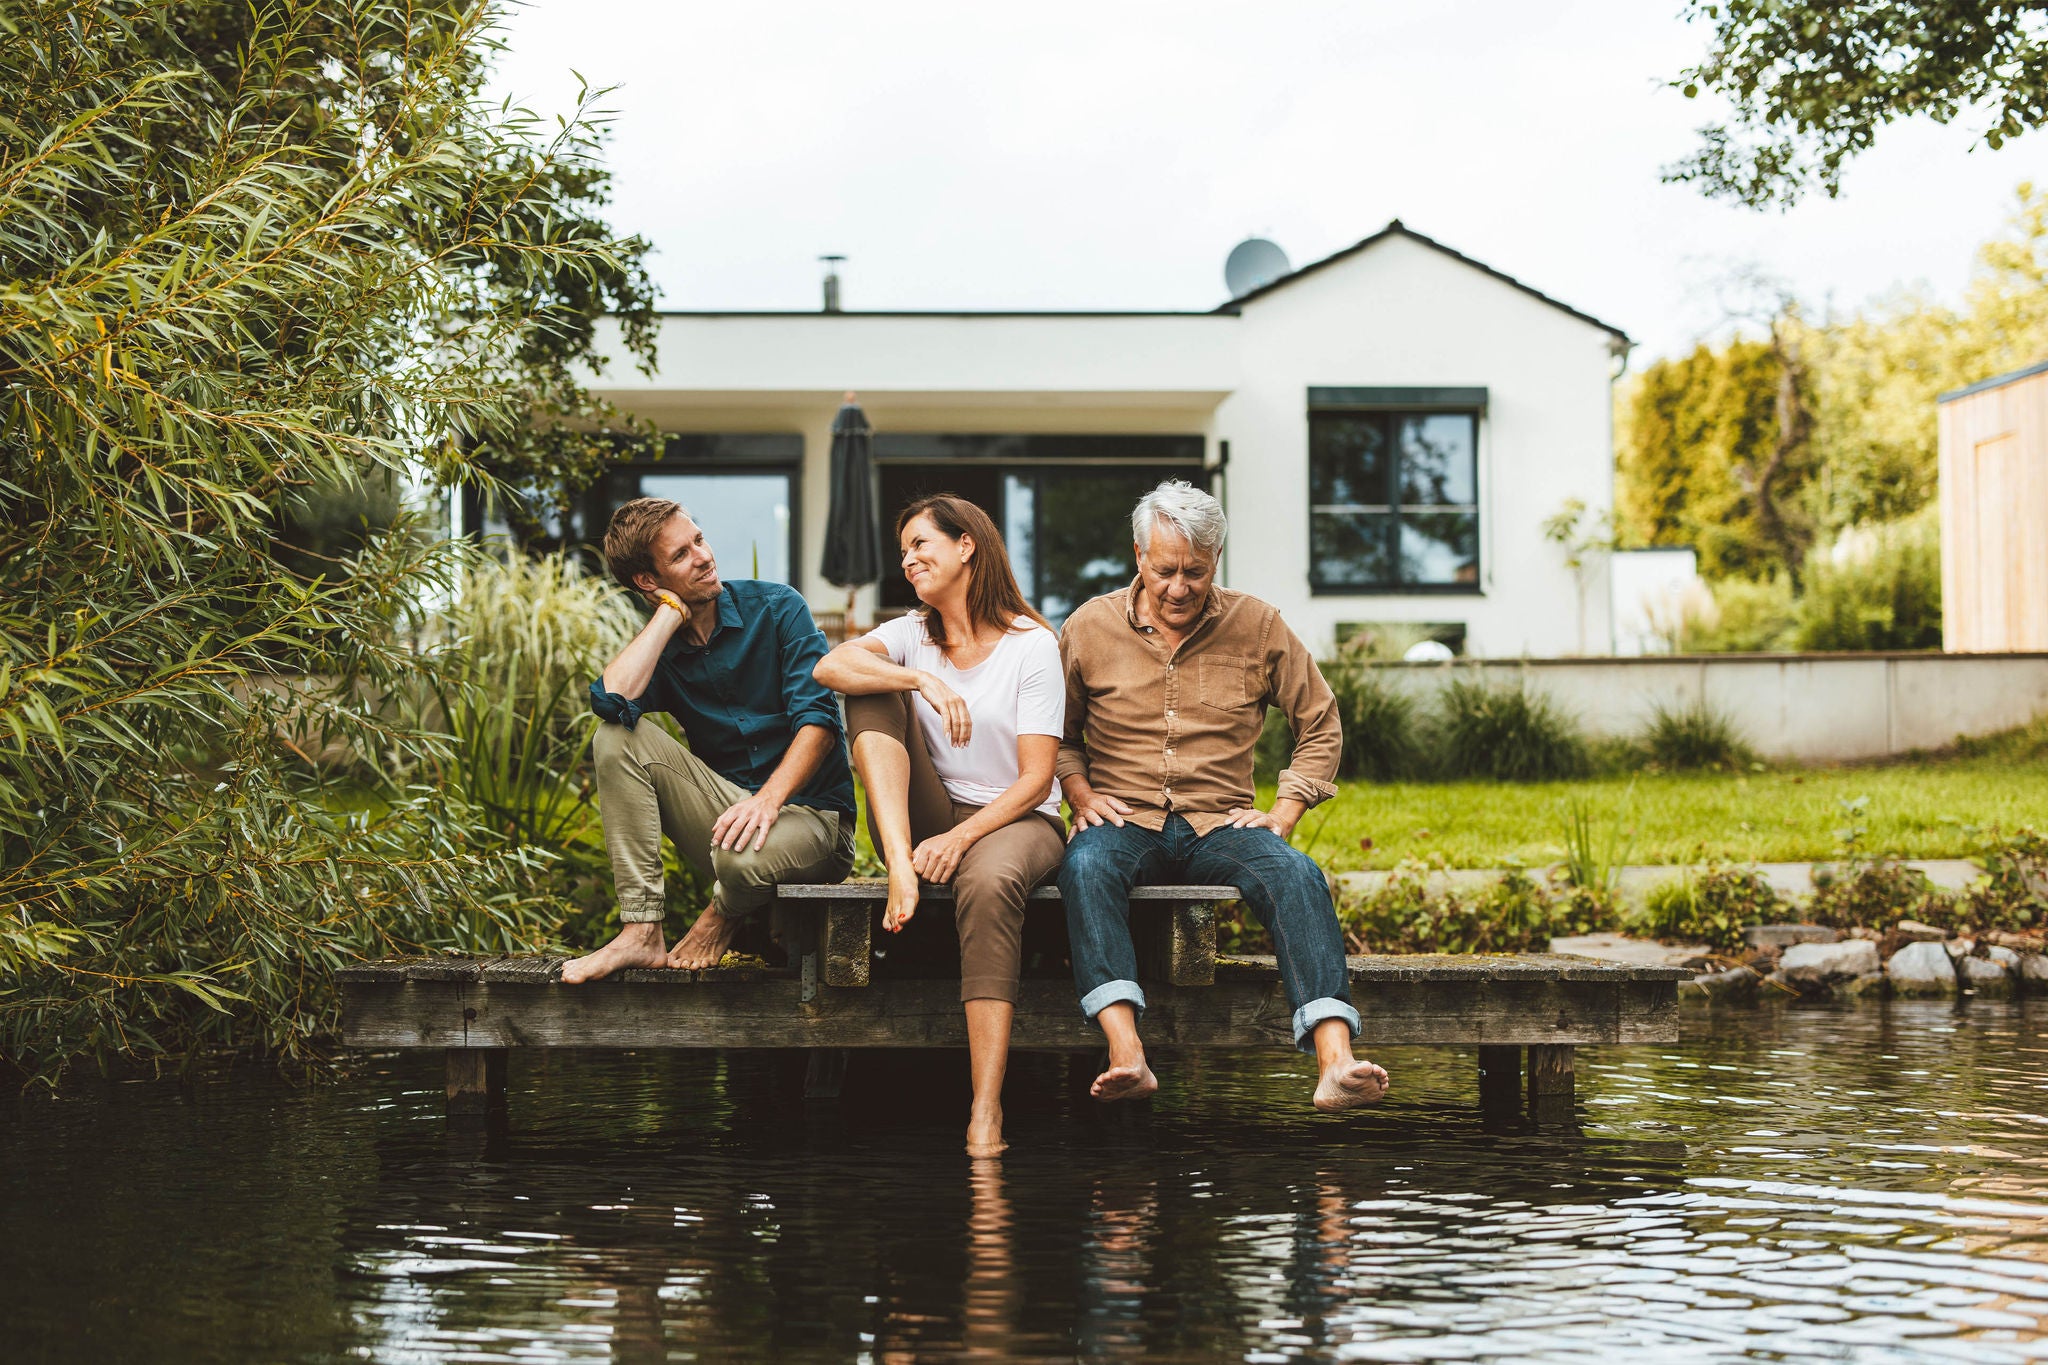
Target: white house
1388 428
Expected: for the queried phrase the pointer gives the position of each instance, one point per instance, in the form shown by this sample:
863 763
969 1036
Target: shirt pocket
1229 682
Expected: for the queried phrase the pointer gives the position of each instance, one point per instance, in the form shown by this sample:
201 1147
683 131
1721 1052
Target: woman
956 713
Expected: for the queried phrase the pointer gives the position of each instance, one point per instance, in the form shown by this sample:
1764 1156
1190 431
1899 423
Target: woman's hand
938 858
952 710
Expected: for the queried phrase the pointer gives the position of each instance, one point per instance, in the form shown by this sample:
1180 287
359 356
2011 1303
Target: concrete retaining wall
1808 707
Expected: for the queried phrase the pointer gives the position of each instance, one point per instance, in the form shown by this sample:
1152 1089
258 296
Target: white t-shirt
1019 689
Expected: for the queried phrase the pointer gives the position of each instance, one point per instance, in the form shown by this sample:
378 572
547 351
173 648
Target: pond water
1863 1183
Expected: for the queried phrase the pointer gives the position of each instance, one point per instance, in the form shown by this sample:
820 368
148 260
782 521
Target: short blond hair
629 540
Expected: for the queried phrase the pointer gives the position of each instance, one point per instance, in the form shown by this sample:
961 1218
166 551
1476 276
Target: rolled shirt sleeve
1301 692
804 698
620 710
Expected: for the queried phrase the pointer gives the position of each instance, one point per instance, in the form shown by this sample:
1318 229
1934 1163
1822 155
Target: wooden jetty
837 997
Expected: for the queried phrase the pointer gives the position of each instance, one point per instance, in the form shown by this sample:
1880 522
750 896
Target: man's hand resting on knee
746 820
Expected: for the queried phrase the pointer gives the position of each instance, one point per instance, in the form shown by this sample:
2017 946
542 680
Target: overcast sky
1109 154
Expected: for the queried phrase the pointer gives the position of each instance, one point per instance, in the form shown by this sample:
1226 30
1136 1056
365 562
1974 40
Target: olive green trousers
648 785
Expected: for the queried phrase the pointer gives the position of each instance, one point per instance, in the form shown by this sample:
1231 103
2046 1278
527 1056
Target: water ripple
1792 1184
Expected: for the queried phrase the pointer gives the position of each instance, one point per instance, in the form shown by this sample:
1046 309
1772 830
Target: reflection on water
1867 1184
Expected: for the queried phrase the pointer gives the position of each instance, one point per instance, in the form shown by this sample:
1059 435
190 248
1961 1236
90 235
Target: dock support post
845 941
825 1074
1551 1081
476 1082
1500 1079
1180 947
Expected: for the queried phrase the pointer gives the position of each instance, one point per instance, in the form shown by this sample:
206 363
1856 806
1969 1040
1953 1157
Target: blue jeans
1282 885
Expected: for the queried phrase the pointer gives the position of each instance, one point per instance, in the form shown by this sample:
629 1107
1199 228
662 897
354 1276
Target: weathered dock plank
832 999
1487 1001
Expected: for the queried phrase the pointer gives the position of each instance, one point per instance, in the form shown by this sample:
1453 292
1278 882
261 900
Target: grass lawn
1915 810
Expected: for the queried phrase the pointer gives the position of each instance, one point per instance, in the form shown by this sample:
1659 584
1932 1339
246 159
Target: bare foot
903 889
985 1132
706 942
1131 1081
1350 1085
638 945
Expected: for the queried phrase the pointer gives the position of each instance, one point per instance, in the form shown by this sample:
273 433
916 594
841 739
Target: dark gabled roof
1397 228
1996 381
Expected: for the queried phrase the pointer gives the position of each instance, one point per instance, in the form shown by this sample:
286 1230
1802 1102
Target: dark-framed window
744 489
1062 502
1393 500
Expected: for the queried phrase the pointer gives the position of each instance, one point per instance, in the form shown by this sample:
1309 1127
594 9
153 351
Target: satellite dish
1253 263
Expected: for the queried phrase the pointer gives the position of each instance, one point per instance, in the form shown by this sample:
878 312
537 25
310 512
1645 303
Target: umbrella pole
851 594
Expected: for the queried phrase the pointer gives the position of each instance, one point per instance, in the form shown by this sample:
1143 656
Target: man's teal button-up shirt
742 695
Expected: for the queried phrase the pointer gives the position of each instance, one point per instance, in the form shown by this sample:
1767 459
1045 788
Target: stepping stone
1785 935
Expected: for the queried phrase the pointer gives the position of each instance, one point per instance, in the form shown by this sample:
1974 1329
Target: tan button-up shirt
1171 731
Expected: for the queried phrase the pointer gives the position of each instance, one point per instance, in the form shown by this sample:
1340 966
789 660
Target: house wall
1402 313
1994 516
1397 313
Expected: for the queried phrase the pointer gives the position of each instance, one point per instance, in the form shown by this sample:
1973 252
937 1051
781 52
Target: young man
762 795
1168 682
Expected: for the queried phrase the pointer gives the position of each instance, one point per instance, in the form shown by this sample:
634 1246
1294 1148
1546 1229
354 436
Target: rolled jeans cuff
1315 1012
642 911
1110 993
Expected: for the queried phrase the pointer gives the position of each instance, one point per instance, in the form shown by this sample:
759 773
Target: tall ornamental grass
1510 732
308 258
516 654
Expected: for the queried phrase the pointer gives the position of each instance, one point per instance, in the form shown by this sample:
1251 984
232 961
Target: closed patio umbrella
853 538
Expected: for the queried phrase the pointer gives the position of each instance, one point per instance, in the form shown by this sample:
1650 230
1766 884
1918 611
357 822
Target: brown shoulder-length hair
993 597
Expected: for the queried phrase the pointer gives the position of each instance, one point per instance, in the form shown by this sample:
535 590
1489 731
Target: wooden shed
1994 514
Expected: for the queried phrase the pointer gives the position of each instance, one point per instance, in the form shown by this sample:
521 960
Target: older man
1168 682
762 795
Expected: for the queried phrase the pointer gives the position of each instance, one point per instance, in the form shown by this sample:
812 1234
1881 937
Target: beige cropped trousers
648 785
994 876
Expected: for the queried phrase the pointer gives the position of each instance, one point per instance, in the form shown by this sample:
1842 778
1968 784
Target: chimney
832 282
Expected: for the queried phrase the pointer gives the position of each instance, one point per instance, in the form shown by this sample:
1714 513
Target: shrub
1739 617
2022 744
1876 587
1507 732
1691 737
1876 893
1513 913
2013 893
1712 906
1382 724
251 252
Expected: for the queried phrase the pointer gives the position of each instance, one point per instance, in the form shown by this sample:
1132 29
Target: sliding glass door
1063 502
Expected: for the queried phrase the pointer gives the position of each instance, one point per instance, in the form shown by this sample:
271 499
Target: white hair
1195 516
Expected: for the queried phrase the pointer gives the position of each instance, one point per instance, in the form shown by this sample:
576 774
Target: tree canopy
1812 82
252 251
